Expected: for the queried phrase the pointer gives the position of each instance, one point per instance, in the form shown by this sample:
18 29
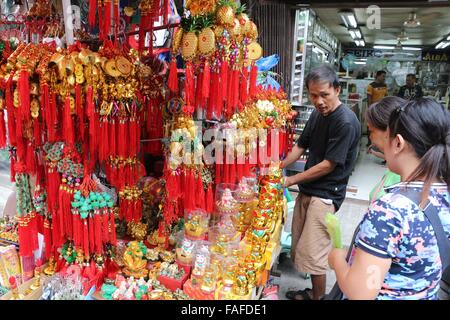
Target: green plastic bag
334 229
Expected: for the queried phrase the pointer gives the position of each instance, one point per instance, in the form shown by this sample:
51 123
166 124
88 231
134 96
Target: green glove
334 229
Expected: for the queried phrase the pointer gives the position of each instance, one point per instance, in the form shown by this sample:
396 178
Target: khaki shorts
311 243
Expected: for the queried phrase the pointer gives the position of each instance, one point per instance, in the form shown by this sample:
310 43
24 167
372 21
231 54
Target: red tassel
244 86
92 10
219 98
47 238
13 170
75 226
122 139
31 159
2 130
212 98
253 78
10 114
37 133
235 91
189 88
24 92
229 96
84 222
80 111
112 137
173 76
98 233
116 14
91 234
107 18
68 125
137 125
199 193
112 224
206 81
105 228
224 80
198 91
209 200
191 188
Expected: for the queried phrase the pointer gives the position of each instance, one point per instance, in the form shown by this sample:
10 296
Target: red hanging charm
206 80
92 11
244 87
2 130
112 225
24 93
173 76
67 124
253 78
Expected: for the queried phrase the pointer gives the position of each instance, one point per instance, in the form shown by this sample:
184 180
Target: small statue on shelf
134 260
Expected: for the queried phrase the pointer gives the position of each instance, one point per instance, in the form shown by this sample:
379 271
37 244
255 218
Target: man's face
410 81
381 78
324 97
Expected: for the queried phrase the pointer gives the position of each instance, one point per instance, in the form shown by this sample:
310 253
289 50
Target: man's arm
293 156
369 95
318 171
419 92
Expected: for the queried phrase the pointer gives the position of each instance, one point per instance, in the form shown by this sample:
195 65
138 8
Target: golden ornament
206 41
123 65
177 37
189 45
111 69
254 51
225 15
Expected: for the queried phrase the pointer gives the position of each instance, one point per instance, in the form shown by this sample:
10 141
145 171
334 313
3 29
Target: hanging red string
173 76
116 14
112 137
92 11
112 224
79 111
189 87
198 91
206 81
2 130
67 124
10 114
98 233
224 80
47 238
24 93
107 18
244 88
199 193
37 133
91 234
253 78
31 159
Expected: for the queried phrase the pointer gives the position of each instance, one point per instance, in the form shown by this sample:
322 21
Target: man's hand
288 181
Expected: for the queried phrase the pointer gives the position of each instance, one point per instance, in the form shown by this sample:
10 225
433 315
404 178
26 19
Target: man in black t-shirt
332 136
411 90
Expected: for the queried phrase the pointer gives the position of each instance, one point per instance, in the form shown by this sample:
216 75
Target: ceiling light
360 62
448 38
383 47
446 44
355 33
441 45
360 43
412 48
349 19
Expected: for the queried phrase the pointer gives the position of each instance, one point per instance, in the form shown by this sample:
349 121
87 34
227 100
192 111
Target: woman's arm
363 279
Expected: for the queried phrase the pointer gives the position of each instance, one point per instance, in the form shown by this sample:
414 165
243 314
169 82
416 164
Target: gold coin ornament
254 51
123 65
111 69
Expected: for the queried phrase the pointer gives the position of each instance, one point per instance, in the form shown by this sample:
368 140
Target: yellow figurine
133 258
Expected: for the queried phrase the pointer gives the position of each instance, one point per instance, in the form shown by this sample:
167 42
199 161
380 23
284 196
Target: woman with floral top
397 254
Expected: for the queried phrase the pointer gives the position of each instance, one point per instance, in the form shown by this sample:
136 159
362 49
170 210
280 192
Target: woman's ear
400 143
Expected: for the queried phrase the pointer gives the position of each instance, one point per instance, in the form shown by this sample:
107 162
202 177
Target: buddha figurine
50 270
195 227
135 264
208 283
227 204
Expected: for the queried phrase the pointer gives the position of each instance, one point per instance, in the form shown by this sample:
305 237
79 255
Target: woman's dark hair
323 73
379 112
425 125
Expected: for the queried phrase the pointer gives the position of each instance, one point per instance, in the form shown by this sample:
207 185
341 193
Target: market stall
77 120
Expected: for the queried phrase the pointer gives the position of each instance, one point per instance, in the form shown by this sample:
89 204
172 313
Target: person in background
332 136
377 117
376 91
411 90
397 255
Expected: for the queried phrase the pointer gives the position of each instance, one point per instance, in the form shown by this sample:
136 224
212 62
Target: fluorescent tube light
349 19
412 48
383 47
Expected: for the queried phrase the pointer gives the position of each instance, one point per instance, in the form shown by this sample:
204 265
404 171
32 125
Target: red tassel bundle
198 91
189 87
37 133
244 88
105 228
2 130
107 18
199 193
98 247
253 78
31 159
112 225
112 137
91 234
24 94
173 76
67 123
76 224
86 250
10 114
25 249
104 135
122 141
80 111
206 80
116 14
92 11
48 238
224 79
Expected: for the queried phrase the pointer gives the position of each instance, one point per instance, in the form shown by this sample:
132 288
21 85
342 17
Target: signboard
436 56
364 53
